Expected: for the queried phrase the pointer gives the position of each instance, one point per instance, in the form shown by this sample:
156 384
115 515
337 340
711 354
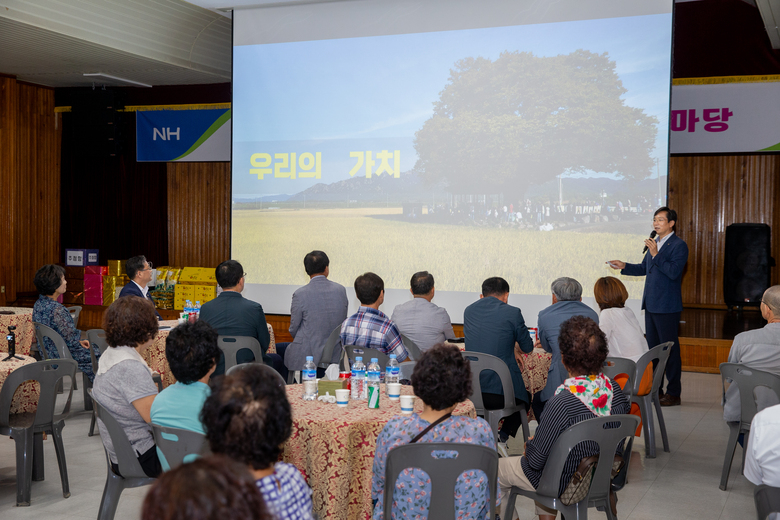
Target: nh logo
165 133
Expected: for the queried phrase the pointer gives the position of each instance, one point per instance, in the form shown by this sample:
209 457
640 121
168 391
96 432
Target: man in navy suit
140 273
662 300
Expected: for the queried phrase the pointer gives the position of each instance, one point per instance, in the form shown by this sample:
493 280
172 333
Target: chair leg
86 384
92 424
661 423
24 465
648 428
730 448
744 450
526 429
111 493
38 466
59 448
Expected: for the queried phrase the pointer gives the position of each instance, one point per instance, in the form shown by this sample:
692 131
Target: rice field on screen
271 245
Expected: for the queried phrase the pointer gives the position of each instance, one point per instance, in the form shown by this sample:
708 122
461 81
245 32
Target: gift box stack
93 284
74 275
113 281
197 284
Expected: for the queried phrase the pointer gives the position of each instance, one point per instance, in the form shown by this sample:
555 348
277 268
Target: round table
26 396
334 449
22 320
155 354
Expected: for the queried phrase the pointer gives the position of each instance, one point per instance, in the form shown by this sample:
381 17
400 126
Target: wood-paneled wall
198 214
30 137
709 193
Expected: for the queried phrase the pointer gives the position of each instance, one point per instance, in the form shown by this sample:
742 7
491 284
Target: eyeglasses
660 220
149 268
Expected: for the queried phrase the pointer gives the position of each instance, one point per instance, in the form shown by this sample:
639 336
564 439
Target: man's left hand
652 246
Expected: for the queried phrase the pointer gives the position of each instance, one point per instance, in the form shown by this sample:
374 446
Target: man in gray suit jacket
566 303
317 308
421 320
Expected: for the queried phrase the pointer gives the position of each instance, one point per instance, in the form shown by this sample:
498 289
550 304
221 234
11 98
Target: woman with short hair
625 338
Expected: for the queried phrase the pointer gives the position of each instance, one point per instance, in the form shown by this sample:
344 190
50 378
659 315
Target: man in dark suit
494 327
233 315
317 309
663 266
140 273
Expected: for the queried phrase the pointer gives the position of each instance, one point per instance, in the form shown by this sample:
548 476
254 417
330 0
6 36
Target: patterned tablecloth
26 396
334 449
22 320
155 355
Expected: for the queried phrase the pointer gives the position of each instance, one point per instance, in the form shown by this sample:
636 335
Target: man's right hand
616 264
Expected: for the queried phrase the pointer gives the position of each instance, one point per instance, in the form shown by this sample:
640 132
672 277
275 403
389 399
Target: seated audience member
140 273
123 384
583 348
211 488
317 309
192 353
248 418
566 303
441 379
494 327
759 349
50 282
369 327
762 455
419 319
233 315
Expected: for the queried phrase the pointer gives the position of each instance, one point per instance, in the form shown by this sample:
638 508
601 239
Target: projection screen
515 138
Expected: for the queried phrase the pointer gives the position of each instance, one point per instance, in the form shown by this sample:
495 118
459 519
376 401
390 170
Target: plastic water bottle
309 375
197 308
358 382
393 371
372 392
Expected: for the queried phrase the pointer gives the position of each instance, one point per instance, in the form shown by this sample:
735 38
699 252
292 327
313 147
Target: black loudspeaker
746 271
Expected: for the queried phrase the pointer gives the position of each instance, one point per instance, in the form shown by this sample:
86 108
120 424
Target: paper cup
342 397
394 391
407 404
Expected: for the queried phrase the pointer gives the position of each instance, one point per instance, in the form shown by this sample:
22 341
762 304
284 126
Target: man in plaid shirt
369 327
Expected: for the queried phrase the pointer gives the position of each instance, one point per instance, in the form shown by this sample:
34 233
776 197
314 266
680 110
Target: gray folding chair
405 370
767 500
330 354
97 343
132 475
27 428
177 443
268 371
367 353
480 362
411 347
747 380
230 345
608 432
443 472
613 367
44 331
645 402
75 311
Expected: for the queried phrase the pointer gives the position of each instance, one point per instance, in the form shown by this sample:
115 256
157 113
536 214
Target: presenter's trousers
660 328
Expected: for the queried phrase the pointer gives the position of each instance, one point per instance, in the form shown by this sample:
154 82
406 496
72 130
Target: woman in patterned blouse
441 379
50 282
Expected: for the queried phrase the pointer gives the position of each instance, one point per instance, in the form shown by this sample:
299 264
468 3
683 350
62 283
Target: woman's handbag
579 485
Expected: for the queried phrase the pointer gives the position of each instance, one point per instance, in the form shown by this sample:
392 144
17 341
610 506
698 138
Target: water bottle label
394 371
374 375
310 374
373 396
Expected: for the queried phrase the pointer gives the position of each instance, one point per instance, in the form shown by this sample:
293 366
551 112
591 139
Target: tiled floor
680 484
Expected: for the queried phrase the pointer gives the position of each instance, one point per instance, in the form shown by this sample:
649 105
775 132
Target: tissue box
324 386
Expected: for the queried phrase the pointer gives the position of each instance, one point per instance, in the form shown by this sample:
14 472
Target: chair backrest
767 500
47 377
268 371
75 311
443 472
126 457
177 443
411 347
480 362
748 380
97 343
354 351
44 331
608 432
659 352
327 356
230 345
405 369
614 366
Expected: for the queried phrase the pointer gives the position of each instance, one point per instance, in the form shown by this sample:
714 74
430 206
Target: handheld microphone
652 235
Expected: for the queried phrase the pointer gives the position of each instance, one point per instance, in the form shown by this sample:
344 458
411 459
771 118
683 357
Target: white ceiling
156 42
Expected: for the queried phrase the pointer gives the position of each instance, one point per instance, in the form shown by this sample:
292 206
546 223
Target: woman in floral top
50 282
442 379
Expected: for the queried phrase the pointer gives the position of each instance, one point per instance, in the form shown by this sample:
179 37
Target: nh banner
189 134
725 115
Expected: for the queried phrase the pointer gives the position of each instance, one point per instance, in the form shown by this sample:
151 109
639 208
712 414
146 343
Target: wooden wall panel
709 193
198 214
8 131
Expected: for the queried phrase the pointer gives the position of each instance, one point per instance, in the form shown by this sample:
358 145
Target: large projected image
527 152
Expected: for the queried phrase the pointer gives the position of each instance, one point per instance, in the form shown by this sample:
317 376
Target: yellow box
116 267
198 276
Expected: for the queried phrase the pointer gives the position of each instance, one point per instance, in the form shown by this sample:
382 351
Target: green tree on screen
501 125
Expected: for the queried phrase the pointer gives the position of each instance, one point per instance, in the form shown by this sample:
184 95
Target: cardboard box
74 272
96 269
116 267
81 257
198 276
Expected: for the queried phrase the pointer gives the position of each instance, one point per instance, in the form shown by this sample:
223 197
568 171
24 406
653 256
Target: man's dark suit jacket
233 315
663 285
492 327
132 289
